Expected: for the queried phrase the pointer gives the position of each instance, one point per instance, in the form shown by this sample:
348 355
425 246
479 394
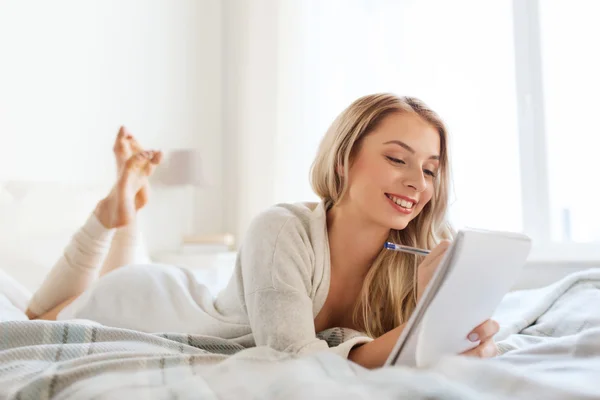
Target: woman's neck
354 242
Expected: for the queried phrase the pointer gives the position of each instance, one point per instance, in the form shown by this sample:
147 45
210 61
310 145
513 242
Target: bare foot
119 207
126 146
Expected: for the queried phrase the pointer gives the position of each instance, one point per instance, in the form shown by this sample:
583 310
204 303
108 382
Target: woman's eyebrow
407 147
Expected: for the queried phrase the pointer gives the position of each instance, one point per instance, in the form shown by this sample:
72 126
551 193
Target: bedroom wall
263 98
71 72
250 106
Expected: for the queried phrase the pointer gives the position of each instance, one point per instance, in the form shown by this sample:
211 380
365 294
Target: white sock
76 269
127 248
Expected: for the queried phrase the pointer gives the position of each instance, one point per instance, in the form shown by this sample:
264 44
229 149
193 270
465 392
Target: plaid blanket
551 350
39 359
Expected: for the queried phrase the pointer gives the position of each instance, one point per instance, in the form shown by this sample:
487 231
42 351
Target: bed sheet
550 344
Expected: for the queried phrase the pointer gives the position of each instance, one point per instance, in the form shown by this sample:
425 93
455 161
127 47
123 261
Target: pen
406 249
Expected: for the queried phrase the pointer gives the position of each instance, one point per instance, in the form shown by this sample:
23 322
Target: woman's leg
127 248
127 245
78 266
75 270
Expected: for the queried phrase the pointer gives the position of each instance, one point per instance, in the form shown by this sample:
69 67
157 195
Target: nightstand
212 269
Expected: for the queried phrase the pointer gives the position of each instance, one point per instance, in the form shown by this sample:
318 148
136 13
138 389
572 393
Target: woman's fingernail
473 337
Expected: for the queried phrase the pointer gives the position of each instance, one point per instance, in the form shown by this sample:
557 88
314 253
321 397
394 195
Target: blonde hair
388 295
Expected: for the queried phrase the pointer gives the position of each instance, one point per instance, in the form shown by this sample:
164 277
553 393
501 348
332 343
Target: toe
123 135
122 132
157 157
121 141
137 160
154 159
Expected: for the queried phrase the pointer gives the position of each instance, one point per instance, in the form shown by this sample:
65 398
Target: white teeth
401 202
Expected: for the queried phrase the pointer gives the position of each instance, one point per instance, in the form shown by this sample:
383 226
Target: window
479 65
569 33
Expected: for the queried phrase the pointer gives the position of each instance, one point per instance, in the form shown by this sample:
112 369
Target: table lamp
182 167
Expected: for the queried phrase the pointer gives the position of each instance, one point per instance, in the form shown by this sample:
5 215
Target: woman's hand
484 333
428 267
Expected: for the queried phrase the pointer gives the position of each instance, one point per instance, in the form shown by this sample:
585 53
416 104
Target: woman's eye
399 161
395 160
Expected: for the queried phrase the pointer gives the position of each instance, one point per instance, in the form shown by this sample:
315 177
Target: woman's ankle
104 213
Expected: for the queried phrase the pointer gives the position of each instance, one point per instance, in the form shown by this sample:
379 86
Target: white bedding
550 340
13 299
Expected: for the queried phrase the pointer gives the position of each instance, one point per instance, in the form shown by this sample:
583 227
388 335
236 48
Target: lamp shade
181 167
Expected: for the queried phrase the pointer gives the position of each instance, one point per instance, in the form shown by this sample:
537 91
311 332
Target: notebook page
485 267
404 352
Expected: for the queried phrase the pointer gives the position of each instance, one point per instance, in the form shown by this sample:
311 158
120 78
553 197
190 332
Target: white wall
250 109
264 108
72 71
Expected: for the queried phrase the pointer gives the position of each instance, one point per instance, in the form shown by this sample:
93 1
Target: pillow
37 220
12 296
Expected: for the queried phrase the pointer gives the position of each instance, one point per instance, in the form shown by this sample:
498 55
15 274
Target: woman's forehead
410 129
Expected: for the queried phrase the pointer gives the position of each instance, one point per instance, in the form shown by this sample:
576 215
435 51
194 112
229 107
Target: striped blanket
550 342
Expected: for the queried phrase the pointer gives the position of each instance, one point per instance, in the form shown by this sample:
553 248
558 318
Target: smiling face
392 175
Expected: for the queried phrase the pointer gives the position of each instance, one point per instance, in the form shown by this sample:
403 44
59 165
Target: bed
549 344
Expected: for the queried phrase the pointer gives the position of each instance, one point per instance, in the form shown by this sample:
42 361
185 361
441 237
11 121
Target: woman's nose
416 180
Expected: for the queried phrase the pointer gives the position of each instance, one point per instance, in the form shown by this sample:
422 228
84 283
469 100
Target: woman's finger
441 247
484 331
435 254
486 349
432 260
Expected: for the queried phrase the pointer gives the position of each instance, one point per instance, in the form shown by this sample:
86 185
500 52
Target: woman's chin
393 220
399 226
397 223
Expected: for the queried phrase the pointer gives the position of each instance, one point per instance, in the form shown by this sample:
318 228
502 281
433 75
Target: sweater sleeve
277 268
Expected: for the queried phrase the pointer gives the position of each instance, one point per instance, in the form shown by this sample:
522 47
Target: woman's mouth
402 205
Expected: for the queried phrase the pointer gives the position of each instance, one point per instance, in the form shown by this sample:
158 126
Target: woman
382 173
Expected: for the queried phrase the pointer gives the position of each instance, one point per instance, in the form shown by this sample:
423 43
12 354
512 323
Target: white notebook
478 269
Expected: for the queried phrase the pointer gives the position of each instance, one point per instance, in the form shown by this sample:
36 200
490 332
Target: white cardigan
280 283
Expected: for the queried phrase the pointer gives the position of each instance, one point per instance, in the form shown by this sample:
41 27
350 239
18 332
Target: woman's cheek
428 195
425 199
